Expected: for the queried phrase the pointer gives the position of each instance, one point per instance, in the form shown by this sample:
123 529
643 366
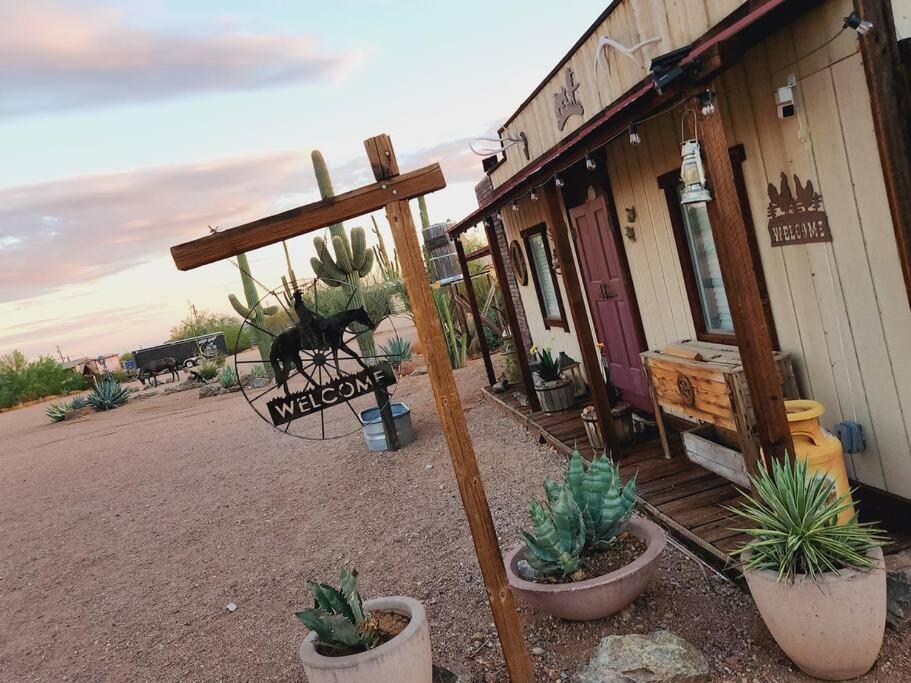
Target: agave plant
227 377
259 372
78 402
107 395
549 369
554 546
398 350
339 618
606 504
57 411
795 525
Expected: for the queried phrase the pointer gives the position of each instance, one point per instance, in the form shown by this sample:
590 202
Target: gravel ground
126 534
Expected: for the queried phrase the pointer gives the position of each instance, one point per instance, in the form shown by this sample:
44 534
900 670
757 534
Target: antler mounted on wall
502 144
630 52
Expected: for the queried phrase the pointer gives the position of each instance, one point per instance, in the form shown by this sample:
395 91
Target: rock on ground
661 656
898 590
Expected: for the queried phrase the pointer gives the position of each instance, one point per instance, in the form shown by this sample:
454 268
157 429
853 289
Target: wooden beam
475 313
452 418
552 207
729 231
307 218
511 317
889 85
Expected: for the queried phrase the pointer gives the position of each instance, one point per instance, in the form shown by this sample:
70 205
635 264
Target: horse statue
314 333
150 370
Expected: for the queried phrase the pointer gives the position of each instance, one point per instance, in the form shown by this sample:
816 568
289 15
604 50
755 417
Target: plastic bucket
375 437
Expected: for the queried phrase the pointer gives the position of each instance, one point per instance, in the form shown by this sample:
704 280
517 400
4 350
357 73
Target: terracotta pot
598 597
831 627
404 659
556 396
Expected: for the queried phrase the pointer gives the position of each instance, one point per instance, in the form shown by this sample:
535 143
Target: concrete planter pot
598 597
831 627
404 659
556 396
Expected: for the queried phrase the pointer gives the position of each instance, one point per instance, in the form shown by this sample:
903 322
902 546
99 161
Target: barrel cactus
554 546
352 261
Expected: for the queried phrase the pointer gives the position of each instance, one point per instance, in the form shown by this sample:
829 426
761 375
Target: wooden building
804 246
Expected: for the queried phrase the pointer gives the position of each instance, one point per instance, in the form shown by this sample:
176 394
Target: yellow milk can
821 450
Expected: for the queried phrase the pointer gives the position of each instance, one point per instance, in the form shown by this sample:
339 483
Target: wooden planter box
705 383
702 447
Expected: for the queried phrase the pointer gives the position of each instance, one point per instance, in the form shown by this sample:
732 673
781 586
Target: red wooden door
610 299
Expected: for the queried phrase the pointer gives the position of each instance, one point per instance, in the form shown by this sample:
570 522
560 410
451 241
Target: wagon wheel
319 368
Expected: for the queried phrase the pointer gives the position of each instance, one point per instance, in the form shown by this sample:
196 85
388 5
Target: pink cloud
53 57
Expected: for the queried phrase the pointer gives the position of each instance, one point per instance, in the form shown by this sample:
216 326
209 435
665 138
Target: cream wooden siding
839 308
901 9
675 22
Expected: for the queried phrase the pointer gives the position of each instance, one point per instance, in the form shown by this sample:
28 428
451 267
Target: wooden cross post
392 192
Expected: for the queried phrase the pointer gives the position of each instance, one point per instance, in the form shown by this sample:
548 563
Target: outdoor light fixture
590 163
861 26
515 206
533 196
692 175
707 98
634 137
558 181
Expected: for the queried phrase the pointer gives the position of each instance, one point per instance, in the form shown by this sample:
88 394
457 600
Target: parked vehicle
187 352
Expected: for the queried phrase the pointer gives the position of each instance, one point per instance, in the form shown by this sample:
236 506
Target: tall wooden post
449 407
475 311
753 337
512 318
591 356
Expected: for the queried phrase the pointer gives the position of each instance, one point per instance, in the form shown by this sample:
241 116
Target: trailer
187 352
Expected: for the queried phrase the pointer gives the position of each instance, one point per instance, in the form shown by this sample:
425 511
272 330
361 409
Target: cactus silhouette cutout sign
798 217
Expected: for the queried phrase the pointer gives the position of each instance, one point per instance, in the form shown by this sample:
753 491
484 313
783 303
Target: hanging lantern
692 174
573 369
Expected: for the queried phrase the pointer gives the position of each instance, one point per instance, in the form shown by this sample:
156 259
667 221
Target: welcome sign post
391 191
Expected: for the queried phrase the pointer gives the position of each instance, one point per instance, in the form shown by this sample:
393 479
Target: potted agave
555 390
384 640
819 585
587 556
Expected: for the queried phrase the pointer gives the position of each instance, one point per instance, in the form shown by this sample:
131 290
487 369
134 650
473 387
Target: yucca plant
795 528
57 411
339 618
549 368
398 350
107 395
227 377
606 504
554 546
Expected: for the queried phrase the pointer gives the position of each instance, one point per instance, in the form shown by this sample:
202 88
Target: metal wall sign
284 409
566 103
798 217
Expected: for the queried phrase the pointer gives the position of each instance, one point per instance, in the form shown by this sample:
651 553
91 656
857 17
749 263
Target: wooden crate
705 382
702 447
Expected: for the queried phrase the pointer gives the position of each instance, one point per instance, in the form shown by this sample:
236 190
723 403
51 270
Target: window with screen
544 278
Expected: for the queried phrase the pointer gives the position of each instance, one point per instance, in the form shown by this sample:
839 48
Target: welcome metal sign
284 409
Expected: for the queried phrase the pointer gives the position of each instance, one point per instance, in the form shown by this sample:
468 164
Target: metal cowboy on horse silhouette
314 332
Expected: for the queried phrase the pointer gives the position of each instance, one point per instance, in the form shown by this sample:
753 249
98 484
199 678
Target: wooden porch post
513 319
889 85
753 337
591 356
475 312
452 418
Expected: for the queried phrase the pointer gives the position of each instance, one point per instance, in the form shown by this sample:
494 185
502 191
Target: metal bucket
374 435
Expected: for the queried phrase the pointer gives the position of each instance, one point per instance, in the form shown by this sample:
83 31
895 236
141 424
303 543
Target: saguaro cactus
352 262
254 311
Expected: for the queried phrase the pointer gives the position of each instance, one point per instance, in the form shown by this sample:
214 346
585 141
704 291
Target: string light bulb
634 137
590 163
558 181
515 206
709 107
533 196
860 25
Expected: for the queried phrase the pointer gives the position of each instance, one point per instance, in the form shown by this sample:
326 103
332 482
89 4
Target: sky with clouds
128 127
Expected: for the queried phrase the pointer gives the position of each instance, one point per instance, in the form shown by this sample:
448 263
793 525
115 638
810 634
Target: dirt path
126 534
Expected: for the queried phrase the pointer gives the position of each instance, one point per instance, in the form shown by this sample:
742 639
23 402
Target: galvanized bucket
374 435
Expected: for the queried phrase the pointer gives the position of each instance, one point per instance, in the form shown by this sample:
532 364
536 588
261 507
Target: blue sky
134 125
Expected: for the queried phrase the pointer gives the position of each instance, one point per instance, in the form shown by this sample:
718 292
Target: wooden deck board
682 495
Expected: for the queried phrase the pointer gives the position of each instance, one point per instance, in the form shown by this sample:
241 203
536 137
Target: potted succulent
555 391
819 585
384 640
587 556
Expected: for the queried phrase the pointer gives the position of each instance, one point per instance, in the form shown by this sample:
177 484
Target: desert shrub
23 380
206 322
208 370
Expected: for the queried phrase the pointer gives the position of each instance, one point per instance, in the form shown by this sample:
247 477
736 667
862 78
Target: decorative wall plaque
565 102
519 268
797 218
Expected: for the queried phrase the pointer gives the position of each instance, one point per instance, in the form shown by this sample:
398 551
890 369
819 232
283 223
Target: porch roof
643 96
